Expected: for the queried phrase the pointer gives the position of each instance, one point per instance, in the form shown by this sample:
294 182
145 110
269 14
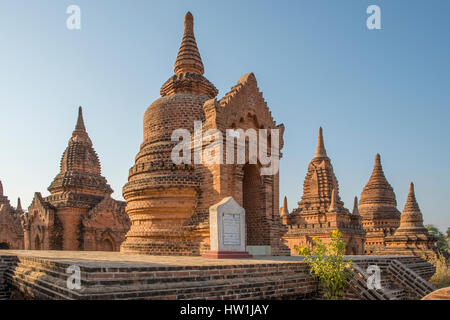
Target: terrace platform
112 275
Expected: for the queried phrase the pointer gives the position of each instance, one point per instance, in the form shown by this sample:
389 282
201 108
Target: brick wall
38 278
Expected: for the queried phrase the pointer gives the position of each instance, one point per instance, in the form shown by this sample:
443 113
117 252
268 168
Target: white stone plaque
227 226
231 229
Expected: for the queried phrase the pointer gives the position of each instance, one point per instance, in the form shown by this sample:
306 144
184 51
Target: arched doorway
107 245
37 243
257 228
4 245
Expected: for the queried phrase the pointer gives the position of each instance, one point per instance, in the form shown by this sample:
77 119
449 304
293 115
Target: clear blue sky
385 91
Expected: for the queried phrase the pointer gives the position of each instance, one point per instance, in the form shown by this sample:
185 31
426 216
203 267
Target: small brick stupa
11 233
378 209
411 238
321 210
80 213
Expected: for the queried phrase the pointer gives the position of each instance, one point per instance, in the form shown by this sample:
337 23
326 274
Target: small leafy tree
327 264
442 239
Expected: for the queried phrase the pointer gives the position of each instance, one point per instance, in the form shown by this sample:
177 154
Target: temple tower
378 209
321 210
79 184
56 221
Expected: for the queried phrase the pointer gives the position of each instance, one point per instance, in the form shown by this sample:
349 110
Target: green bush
327 264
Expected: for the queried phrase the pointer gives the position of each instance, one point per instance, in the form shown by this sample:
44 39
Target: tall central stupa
168 203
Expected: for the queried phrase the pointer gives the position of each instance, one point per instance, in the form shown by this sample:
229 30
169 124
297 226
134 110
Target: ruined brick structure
411 237
80 213
168 203
321 210
11 233
378 209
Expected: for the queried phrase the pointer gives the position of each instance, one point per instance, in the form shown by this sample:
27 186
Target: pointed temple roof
188 67
284 211
188 59
355 206
411 221
378 198
1 188
320 150
19 205
80 167
79 133
319 184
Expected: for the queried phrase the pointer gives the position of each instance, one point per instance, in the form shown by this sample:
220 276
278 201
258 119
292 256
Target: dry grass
441 277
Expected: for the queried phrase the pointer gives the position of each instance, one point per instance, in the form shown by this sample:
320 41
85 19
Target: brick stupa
411 237
169 203
378 209
321 210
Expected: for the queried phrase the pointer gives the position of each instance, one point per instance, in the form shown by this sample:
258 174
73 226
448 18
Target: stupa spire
80 122
1 188
80 133
19 205
355 206
188 59
284 211
320 150
411 205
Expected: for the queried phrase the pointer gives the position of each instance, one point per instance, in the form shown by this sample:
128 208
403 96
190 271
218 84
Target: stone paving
97 258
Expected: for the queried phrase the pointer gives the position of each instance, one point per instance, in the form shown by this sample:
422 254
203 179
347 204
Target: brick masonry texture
169 204
42 275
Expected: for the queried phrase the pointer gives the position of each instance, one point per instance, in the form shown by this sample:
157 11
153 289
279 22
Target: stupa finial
188 59
320 150
284 211
355 206
19 205
411 202
80 133
80 122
